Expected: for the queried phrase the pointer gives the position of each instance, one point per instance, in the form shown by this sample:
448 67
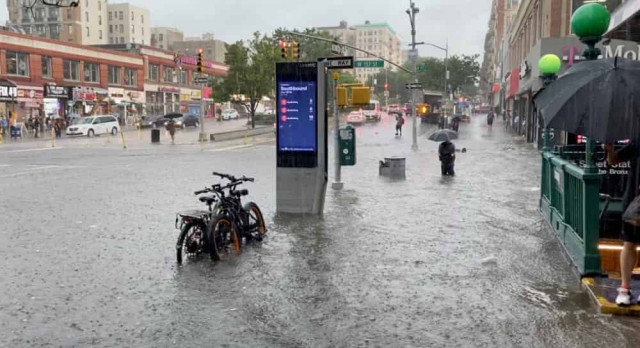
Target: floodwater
88 249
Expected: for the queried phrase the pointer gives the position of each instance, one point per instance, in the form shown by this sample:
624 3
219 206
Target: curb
604 305
239 134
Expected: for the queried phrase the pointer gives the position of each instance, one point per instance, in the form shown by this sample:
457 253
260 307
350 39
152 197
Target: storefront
8 95
56 100
30 101
89 100
128 105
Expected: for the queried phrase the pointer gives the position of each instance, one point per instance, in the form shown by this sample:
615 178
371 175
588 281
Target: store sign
51 91
116 92
169 89
196 95
27 95
84 95
185 97
8 92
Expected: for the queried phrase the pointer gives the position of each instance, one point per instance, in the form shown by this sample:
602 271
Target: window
142 19
114 75
183 77
143 41
99 5
100 34
70 70
46 67
132 16
161 36
111 40
121 29
153 72
69 14
54 31
70 29
17 63
86 16
168 74
88 32
54 13
133 29
100 20
130 77
110 29
110 16
91 72
142 30
86 3
120 15
39 14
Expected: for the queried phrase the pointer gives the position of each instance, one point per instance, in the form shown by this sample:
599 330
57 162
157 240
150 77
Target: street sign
413 55
340 62
422 68
413 86
201 80
369 64
337 49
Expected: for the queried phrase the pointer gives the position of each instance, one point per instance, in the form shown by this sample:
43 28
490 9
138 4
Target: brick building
64 78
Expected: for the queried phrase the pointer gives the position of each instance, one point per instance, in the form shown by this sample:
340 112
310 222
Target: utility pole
412 17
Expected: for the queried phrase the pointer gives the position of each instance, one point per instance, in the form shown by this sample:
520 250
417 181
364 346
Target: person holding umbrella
446 150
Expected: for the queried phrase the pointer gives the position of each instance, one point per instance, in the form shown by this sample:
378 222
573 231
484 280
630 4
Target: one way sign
413 85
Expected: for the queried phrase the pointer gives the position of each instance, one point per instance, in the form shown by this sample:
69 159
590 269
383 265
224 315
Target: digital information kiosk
301 174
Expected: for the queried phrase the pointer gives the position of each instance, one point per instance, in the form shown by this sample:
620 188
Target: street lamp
446 71
412 18
549 66
589 22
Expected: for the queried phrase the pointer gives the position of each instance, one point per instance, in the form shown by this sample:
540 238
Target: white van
95 125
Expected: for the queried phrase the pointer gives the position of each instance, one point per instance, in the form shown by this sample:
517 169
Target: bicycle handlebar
201 191
233 178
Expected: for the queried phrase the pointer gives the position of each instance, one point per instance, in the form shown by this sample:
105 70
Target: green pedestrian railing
570 203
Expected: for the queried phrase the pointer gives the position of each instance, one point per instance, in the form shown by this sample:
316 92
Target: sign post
337 183
202 81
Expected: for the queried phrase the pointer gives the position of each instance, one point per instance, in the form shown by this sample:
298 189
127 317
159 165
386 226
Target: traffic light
284 48
386 86
200 61
295 50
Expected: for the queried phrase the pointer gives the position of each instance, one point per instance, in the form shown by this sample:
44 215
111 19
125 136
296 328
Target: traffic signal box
360 95
284 49
342 97
200 61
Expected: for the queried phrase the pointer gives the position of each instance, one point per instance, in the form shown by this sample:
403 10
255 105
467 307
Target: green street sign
422 68
368 64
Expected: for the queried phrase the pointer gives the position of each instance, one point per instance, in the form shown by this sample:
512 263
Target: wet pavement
88 249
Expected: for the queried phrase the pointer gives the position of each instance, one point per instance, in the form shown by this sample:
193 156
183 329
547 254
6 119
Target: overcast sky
463 22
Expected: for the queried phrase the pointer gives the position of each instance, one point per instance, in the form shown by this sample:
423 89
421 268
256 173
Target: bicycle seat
240 193
207 199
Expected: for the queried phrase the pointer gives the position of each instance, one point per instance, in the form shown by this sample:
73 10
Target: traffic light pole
412 17
203 136
337 180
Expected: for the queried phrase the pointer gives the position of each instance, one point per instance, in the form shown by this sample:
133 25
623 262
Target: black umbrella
443 135
599 99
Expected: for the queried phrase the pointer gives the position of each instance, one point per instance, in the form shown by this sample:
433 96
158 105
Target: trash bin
155 136
393 167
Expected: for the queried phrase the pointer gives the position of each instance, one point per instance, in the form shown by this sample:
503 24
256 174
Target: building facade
85 24
213 49
380 39
128 24
164 37
62 78
343 33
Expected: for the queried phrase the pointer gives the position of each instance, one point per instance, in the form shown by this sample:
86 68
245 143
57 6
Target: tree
251 71
310 49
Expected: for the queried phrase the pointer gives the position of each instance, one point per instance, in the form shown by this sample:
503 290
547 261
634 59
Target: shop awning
625 18
8 90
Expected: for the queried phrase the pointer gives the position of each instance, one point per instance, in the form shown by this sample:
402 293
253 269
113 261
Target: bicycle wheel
256 224
191 241
223 238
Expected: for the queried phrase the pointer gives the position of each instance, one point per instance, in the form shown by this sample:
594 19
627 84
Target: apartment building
213 49
380 39
343 33
85 24
164 37
128 24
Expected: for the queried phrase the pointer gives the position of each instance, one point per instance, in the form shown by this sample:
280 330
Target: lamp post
549 66
589 22
412 18
446 72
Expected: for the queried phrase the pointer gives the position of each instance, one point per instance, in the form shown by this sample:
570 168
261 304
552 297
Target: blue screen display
297 116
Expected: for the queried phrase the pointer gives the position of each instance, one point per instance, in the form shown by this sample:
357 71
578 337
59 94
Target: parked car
395 109
95 125
356 117
229 114
189 120
152 121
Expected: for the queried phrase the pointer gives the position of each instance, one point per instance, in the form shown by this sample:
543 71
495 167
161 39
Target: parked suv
95 125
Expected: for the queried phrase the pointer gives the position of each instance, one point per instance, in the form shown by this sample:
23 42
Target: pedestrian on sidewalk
447 153
630 232
36 127
3 124
57 127
399 124
171 128
490 118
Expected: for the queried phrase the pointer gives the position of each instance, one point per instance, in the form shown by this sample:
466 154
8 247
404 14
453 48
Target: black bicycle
192 240
233 221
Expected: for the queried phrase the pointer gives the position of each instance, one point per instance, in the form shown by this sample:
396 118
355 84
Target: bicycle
193 226
233 221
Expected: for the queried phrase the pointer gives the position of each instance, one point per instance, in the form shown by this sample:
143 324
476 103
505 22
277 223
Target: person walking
36 127
171 128
490 118
399 124
447 154
3 124
630 231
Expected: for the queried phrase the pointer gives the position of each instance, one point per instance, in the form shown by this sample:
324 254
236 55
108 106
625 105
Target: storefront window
91 72
168 74
70 70
183 77
153 72
46 67
114 75
17 63
130 77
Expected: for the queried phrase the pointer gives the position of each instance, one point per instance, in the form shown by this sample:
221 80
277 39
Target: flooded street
425 262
